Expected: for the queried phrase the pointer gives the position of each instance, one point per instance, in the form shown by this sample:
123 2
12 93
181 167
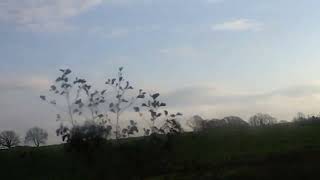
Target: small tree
153 106
262 120
81 102
172 126
9 139
122 101
37 136
76 101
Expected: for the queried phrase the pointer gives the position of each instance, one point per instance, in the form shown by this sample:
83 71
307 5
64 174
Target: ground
287 151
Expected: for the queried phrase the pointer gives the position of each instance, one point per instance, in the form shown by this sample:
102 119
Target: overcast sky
208 57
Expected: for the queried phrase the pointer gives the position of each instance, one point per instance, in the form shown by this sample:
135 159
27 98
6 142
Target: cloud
212 101
121 32
43 15
180 51
27 83
238 25
208 95
184 53
109 34
296 91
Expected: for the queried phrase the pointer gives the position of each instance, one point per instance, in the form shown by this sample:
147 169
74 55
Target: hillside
287 151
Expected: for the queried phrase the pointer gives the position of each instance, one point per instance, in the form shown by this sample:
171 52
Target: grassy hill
288 151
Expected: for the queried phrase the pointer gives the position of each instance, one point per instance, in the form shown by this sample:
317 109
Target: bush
88 136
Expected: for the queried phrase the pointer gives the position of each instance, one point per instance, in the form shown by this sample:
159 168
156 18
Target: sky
213 58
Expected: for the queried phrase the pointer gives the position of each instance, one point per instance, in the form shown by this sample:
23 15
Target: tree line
197 123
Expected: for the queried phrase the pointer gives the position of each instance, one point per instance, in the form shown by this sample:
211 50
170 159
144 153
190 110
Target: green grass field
280 152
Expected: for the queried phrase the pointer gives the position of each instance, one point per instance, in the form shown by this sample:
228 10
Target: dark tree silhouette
9 139
81 103
36 136
88 136
171 125
156 115
262 120
198 124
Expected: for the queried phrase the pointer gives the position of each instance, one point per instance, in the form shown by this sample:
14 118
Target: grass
277 152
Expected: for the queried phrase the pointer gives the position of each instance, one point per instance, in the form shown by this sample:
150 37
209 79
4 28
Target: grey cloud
193 96
28 83
296 91
45 15
238 25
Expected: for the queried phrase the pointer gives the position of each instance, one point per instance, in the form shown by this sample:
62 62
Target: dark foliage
260 120
88 136
153 108
303 120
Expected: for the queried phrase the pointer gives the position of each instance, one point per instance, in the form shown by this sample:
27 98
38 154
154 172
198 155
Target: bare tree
9 139
262 120
36 136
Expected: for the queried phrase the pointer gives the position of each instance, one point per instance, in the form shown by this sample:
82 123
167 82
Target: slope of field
288 151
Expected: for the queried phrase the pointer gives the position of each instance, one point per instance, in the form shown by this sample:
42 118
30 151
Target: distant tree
234 121
300 117
229 121
196 123
262 120
303 119
9 139
213 123
36 136
283 121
